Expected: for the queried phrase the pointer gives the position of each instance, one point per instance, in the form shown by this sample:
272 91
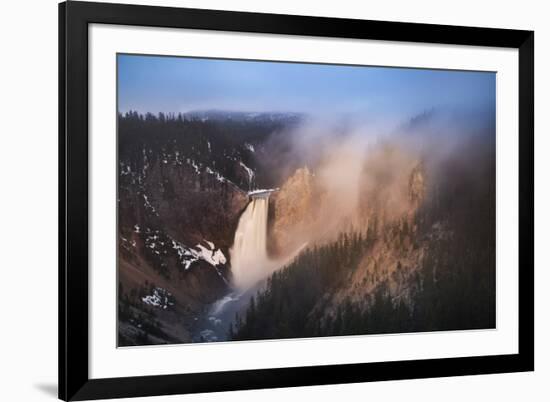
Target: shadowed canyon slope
360 236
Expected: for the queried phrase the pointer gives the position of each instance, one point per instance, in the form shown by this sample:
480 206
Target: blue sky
177 84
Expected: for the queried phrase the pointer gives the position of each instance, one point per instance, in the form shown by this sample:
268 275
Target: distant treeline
217 141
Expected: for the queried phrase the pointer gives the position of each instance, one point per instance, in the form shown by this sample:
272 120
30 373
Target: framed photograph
257 200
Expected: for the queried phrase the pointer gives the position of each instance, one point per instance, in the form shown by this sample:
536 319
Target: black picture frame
74 18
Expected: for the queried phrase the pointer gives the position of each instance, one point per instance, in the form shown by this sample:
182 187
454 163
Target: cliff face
389 206
293 212
407 260
390 190
193 202
397 247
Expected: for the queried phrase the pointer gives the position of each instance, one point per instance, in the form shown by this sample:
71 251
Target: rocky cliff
396 248
293 212
416 254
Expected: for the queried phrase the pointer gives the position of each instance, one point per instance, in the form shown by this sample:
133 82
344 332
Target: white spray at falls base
249 260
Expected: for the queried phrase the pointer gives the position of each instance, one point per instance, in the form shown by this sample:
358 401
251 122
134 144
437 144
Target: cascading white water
249 261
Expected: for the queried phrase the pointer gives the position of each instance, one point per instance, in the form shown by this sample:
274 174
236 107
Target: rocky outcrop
397 248
292 213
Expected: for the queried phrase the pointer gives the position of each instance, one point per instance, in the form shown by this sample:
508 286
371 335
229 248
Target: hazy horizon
157 84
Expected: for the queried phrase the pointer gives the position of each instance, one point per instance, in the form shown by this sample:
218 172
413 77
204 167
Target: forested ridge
183 182
212 140
453 287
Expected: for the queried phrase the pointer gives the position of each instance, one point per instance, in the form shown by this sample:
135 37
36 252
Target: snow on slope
249 171
189 255
159 298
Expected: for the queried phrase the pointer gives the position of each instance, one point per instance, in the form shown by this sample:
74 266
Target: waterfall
249 261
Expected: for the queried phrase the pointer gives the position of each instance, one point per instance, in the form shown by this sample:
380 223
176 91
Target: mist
363 167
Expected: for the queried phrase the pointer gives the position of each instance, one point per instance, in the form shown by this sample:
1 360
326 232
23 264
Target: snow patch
160 298
218 176
210 256
126 241
177 160
249 171
186 255
189 255
148 204
194 164
125 169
